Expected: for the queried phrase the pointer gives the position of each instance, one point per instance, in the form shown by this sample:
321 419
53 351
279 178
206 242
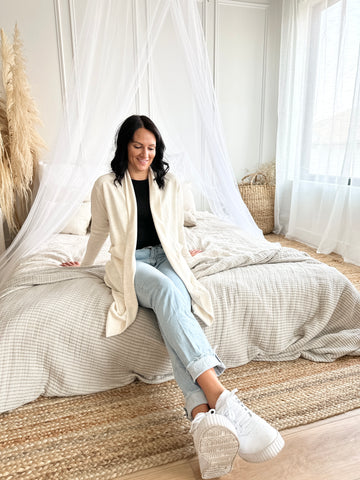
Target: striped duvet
271 303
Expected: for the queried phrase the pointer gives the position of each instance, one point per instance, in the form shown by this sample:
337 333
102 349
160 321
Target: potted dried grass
20 143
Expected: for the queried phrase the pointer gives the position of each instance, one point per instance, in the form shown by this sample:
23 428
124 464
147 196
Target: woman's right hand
70 264
194 252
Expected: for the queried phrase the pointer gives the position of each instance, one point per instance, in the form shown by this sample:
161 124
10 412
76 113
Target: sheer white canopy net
134 56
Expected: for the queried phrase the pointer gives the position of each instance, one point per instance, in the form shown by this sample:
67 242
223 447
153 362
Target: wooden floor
325 450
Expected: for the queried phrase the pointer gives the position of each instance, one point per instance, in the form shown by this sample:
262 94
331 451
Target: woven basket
259 198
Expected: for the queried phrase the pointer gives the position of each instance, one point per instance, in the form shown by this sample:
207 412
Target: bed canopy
121 67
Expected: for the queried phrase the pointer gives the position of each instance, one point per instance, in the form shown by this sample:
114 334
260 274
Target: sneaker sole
267 453
218 449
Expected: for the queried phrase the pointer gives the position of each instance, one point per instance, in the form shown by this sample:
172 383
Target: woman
140 205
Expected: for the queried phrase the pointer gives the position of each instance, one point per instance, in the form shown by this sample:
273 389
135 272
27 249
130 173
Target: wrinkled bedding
271 303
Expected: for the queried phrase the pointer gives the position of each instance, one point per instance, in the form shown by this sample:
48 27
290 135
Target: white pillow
79 223
189 206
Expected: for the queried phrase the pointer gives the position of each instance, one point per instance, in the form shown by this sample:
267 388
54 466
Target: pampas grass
7 188
7 191
21 143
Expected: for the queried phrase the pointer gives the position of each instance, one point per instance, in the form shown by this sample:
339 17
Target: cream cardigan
114 212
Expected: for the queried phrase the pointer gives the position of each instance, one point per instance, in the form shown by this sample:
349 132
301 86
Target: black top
146 235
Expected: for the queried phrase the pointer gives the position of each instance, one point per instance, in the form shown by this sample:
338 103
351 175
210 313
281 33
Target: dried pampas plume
23 116
22 142
7 194
7 57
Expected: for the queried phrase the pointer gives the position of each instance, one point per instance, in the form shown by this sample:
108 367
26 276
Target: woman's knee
165 288
154 291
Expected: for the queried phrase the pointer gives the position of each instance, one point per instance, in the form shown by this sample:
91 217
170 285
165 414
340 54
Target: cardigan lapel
156 205
131 206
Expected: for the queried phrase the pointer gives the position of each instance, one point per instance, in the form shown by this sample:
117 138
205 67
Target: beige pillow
79 223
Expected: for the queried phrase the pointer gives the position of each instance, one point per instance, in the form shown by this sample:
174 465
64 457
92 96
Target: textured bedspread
271 303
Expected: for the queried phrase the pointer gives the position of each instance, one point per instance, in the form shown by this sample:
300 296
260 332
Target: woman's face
141 153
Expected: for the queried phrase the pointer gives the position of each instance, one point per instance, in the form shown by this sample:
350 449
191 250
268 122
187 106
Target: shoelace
198 418
244 419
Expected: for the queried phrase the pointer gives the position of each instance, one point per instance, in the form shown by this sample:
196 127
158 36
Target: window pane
338 37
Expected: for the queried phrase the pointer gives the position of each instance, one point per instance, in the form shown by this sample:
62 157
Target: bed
271 303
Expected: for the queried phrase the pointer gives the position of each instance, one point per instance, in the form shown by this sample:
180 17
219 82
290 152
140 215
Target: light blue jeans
158 287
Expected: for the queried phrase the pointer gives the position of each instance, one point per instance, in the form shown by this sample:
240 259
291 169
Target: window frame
313 47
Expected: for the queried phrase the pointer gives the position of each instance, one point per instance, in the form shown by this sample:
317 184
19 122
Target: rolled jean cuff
203 363
193 400
196 368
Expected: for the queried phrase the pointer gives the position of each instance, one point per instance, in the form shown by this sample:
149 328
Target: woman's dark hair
124 136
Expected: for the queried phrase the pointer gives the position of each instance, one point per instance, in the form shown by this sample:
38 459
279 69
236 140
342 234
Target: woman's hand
194 252
70 264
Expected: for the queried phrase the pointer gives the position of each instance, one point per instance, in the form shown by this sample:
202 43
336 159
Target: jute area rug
109 434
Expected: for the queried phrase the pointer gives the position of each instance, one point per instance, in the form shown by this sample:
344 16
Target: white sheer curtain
318 142
122 67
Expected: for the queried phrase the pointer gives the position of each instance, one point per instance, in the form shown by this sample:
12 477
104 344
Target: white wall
243 43
36 22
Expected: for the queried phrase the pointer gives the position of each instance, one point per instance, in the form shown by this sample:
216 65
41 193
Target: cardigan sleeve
99 226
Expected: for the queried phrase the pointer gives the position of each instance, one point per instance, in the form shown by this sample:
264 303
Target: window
331 137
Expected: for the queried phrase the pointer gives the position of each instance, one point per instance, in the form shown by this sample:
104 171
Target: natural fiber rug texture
109 434
334 260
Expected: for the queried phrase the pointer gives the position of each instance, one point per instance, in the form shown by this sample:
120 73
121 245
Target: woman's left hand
194 252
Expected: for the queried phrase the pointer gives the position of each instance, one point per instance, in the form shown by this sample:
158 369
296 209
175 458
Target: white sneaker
258 440
216 443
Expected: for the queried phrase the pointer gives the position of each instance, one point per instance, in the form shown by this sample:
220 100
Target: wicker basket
259 198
